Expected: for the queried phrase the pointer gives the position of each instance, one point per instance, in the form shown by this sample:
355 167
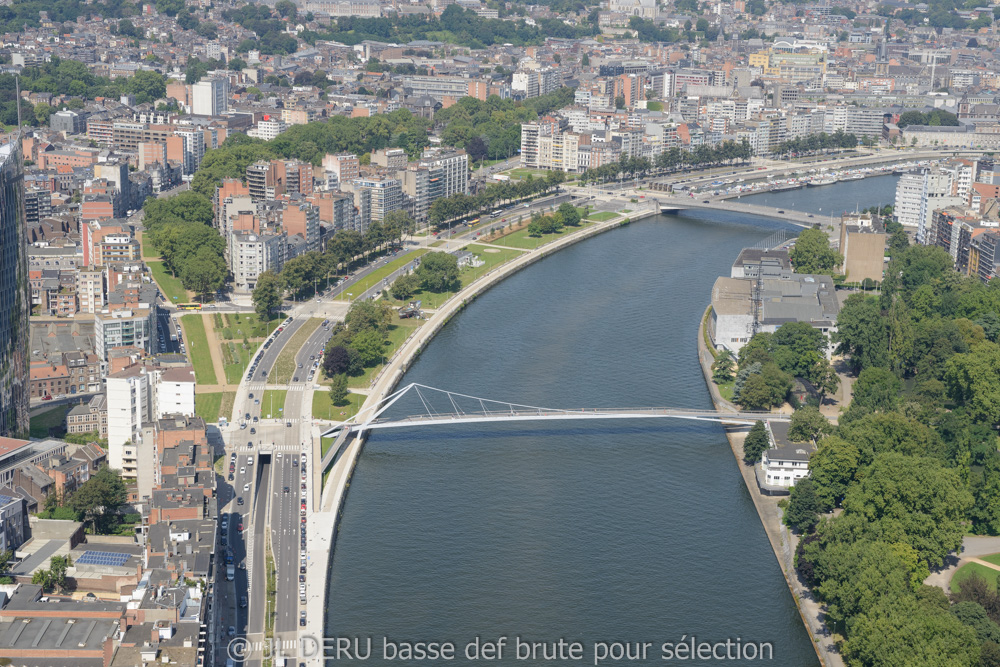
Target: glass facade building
15 293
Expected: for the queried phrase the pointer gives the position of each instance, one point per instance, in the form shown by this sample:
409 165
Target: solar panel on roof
110 558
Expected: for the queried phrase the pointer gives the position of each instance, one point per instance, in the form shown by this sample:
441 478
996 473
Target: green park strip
272 403
49 422
521 238
376 277
987 573
601 216
197 349
323 407
521 174
399 331
171 287
992 558
326 444
210 406
284 367
148 251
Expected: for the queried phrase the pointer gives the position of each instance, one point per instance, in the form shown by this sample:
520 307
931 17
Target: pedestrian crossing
283 645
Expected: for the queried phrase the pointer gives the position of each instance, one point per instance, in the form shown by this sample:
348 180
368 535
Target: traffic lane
257 577
286 526
269 356
342 288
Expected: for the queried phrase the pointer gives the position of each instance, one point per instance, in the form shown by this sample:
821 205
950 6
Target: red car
46 398
240 527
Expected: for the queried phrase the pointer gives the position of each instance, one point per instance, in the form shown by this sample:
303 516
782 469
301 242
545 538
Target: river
594 531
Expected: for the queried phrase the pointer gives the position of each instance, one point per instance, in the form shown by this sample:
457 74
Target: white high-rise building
175 392
210 97
129 405
919 194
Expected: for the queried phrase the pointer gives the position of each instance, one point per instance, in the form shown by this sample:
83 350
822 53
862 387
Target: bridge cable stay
422 400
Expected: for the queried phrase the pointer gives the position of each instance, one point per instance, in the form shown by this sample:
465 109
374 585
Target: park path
982 562
214 346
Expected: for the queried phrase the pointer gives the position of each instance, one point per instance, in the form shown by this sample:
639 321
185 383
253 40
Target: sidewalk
215 350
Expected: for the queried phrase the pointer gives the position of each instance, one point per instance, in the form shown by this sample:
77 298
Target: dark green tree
756 443
802 513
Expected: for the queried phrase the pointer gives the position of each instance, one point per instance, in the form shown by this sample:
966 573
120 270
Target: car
249 460
705 201
295 463
311 357
780 211
302 569
243 470
251 395
248 416
46 398
239 527
303 519
232 631
246 487
288 424
302 621
256 401
295 379
243 425
278 455
239 501
286 489
300 365
231 477
253 431
303 486
255 419
263 374
249 443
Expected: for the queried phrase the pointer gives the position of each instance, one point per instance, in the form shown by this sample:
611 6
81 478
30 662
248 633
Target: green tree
570 216
267 295
369 316
99 498
808 424
338 389
973 615
917 496
832 468
971 379
204 273
405 286
42 113
863 333
723 367
756 443
875 390
901 631
370 344
812 253
803 509
438 271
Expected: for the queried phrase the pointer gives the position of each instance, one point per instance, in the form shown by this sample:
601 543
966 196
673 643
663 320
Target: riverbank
783 542
344 454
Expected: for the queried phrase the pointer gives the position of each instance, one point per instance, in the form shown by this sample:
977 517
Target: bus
189 306
497 213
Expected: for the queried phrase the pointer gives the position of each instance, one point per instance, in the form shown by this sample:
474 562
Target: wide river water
601 531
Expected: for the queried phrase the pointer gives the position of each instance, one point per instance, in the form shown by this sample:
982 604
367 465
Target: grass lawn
237 326
325 445
726 390
521 239
625 210
521 173
375 277
170 286
601 216
54 419
992 558
323 408
437 244
968 570
211 406
284 366
148 252
273 403
197 349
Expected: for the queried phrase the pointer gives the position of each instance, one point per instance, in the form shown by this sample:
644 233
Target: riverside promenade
328 504
783 542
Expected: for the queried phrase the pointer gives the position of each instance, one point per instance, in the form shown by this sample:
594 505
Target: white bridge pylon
466 409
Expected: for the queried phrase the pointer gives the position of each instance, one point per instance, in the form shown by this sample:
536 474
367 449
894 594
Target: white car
243 471
246 487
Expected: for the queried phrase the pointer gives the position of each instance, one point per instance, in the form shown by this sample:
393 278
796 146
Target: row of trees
811 143
461 205
437 272
669 160
565 216
360 341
